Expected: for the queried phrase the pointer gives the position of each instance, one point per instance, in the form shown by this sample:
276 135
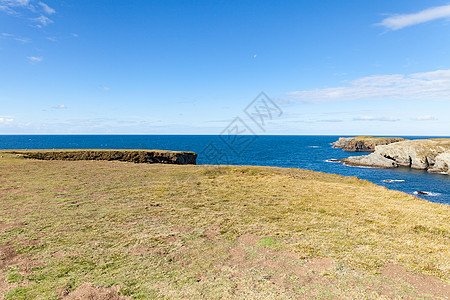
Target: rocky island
427 154
364 143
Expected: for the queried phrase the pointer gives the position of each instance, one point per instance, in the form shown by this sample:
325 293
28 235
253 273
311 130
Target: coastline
278 151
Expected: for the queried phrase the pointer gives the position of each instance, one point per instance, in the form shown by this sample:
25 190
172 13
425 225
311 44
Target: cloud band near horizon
433 85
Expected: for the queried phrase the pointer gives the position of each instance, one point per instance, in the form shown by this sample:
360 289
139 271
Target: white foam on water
427 194
393 180
362 167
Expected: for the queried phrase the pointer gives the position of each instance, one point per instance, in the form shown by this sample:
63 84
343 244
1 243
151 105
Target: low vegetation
169 231
136 156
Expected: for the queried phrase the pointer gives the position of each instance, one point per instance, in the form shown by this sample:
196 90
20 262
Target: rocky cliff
136 156
442 163
364 143
432 155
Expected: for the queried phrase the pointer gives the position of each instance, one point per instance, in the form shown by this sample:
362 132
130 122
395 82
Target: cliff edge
430 154
364 143
136 156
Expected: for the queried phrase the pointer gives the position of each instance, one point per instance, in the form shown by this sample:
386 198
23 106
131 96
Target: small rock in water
421 193
393 180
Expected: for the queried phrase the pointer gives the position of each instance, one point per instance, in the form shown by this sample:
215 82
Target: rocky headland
136 156
364 143
429 154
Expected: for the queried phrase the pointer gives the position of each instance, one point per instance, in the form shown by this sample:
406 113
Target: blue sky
190 67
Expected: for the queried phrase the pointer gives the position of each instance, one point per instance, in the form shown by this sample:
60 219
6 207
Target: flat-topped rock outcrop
136 156
430 154
364 143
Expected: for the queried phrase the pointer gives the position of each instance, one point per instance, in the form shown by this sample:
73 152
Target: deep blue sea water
305 152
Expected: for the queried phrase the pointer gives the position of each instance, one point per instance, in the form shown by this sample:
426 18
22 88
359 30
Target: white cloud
22 40
6 120
15 3
61 106
423 86
35 59
9 6
47 9
14 37
425 118
401 21
106 89
43 20
331 120
371 118
74 35
7 9
28 8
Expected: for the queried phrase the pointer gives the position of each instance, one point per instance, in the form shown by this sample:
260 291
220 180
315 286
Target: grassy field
118 230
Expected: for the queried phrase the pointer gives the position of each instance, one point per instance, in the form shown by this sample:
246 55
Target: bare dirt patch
59 253
183 229
424 284
249 239
88 292
237 255
170 239
8 256
4 285
320 264
141 251
211 234
8 226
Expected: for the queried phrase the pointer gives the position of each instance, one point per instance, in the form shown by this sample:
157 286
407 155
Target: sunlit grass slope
156 231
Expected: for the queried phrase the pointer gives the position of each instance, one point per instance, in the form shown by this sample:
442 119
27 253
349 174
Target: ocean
305 152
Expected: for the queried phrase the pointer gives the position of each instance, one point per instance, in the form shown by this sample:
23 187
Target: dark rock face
364 143
136 156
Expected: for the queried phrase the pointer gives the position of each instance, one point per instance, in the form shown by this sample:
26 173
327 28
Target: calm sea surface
305 152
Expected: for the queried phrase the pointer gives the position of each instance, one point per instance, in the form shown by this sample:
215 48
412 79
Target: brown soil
8 256
424 284
249 239
88 292
211 234
183 229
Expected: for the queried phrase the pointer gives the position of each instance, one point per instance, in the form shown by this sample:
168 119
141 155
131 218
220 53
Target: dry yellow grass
212 232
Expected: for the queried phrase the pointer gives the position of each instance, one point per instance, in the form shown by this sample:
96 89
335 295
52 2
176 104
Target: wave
423 193
331 160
